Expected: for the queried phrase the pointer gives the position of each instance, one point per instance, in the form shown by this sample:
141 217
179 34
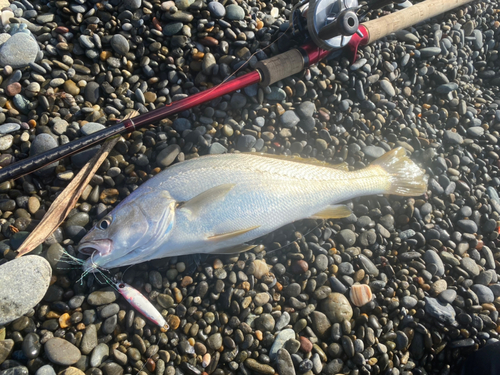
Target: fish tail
405 177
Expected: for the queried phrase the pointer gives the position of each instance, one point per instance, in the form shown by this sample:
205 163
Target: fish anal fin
229 235
234 249
194 205
310 161
333 212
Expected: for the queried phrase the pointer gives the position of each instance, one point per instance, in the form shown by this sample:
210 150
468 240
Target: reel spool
332 23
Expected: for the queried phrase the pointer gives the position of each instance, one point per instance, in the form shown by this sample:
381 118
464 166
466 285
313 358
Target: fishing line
151 356
244 66
124 272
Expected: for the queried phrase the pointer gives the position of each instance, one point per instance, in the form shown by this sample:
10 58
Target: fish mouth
101 247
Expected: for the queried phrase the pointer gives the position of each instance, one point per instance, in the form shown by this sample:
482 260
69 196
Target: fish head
133 229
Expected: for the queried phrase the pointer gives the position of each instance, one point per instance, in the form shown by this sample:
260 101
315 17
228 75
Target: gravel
430 261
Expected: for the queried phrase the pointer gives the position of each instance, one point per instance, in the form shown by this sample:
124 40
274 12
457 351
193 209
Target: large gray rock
19 51
24 283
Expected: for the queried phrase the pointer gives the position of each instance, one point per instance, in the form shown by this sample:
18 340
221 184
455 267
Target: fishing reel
331 23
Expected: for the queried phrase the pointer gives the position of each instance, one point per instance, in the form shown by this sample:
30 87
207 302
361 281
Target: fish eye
104 223
121 286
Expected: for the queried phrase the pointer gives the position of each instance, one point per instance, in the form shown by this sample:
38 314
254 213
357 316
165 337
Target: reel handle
346 24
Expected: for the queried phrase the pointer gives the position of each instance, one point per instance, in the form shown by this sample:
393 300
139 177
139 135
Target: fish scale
218 203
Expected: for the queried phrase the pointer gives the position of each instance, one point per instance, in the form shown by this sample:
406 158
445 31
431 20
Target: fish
141 304
217 204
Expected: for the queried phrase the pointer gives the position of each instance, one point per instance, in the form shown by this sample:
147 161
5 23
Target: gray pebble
61 352
235 12
92 92
453 138
99 354
9 128
484 294
442 312
19 51
216 9
168 155
387 87
470 266
429 52
119 44
279 342
431 257
132 4
373 151
448 295
25 289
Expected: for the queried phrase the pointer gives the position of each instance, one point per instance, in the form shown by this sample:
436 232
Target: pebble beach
405 285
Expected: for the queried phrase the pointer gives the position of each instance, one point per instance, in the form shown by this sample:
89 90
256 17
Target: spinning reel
330 24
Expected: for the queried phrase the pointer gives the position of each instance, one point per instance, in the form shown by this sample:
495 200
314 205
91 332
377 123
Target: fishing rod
330 24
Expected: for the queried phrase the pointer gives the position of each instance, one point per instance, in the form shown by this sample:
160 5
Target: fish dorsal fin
234 249
311 161
229 235
194 205
333 212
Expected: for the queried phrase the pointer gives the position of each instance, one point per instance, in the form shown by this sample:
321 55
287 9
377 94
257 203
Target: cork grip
281 66
402 19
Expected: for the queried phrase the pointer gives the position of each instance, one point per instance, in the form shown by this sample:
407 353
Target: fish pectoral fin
194 205
333 212
229 235
234 249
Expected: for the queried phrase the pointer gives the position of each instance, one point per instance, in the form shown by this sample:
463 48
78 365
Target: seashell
360 294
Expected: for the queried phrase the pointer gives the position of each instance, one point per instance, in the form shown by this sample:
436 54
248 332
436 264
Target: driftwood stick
65 202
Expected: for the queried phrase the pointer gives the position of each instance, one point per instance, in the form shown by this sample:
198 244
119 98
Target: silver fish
217 203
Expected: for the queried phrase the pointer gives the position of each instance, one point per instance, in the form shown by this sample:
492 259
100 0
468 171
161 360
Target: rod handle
280 66
380 27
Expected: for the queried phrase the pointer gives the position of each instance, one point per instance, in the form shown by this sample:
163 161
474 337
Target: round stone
91 127
180 124
19 51
120 44
214 341
216 9
289 119
306 109
235 12
337 308
31 345
101 297
9 128
61 352
6 142
71 87
132 4
92 92
484 294
168 155
13 89
387 87
238 100
25 289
